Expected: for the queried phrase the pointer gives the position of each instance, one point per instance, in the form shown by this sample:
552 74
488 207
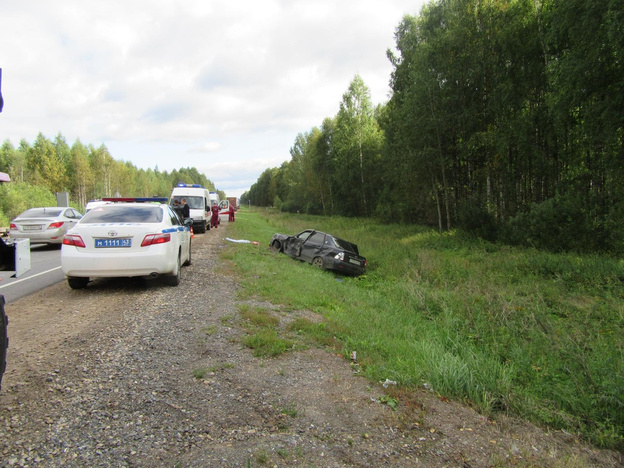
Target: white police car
128 237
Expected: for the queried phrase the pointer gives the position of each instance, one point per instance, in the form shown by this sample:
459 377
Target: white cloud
209 147
175 84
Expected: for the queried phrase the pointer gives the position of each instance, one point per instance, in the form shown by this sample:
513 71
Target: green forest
505 119
45 167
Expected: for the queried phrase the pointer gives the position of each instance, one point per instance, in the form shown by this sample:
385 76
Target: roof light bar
136 199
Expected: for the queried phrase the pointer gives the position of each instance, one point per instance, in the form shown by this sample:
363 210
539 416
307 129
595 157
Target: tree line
505 119
86 172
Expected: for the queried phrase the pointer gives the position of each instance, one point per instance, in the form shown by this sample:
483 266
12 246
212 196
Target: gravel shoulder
133 373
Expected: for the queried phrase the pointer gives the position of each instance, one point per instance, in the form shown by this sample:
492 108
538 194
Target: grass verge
535 334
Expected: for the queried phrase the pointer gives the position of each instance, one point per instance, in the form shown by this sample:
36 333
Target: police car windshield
124 214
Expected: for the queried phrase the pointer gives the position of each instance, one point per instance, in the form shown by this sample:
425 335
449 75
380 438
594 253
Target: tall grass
535 334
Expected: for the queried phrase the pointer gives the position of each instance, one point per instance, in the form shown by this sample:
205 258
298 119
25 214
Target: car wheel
188 260
202 228
174 280
277 245
76 282
318 262
4 338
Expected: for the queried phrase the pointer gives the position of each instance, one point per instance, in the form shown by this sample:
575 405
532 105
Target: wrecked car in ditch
321 250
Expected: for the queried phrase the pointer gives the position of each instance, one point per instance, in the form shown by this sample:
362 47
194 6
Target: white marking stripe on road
30 277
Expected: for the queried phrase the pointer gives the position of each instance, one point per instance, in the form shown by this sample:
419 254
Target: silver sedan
45 225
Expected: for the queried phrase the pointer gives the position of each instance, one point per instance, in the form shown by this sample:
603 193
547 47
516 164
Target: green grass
290 410
263 336
312 332
200 373
259 317
535 334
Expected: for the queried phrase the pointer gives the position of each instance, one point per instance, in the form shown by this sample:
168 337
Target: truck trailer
233 202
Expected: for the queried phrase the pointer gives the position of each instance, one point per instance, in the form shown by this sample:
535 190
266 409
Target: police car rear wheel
188 260
174 280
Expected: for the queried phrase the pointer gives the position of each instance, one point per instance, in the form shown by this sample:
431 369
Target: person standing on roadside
231 217
177 207
214 220
186 210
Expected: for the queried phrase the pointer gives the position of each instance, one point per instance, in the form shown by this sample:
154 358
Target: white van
95 203
224 210
198 200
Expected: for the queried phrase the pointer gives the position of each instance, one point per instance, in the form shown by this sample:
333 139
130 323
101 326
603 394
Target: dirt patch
133 373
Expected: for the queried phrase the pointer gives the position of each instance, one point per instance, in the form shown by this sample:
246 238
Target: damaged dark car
321 250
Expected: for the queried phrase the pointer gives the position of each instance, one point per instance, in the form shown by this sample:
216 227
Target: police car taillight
73 239
153 239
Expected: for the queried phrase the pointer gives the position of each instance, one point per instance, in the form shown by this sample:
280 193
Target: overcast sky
224 86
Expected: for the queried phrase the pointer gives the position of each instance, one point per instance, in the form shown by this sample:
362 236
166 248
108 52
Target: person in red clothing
214 219
231 217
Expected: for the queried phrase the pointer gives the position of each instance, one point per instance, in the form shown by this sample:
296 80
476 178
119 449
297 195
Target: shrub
557 225
475 219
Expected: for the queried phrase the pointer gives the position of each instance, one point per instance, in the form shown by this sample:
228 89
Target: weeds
259 317
390 401
313 332
267 343
221 366
209 330
263 337
201 372
290 410
262 457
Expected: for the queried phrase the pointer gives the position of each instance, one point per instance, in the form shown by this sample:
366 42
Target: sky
224 86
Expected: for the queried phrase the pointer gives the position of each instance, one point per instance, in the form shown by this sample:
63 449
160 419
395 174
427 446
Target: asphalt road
45 270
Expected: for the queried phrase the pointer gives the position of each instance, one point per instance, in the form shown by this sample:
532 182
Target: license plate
34 227
355 262
104 243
